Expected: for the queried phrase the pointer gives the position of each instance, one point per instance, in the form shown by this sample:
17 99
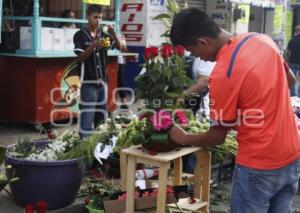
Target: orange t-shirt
253 97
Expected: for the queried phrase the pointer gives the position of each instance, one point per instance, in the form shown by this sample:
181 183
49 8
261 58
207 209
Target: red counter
30 89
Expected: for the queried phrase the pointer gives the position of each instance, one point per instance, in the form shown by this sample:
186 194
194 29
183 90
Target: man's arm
88 51
214 136
201 84
114 36
291 79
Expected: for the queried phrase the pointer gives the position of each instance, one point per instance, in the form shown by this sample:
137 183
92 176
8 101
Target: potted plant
42 174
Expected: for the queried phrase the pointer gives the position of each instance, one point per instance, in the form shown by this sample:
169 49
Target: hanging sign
288 25
278 19
101 2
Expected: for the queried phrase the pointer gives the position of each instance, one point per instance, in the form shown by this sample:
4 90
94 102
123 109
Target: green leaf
172 95
173 6
166 34
162 16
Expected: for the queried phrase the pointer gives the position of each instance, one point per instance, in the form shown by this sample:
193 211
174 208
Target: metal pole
117 15
36 28
83 10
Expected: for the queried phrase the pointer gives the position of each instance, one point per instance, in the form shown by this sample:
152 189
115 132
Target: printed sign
134 22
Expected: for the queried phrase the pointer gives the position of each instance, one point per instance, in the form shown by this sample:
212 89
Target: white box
47 38
69 34
59 41
25 38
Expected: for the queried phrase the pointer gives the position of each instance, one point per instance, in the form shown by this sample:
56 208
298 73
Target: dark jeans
92 108
122 93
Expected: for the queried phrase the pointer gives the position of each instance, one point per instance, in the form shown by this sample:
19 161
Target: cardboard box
69 34
25 38
47 38
116 206
59 40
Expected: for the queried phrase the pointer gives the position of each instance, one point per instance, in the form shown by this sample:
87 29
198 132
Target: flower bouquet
161 83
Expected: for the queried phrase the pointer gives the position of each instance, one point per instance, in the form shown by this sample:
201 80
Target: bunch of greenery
3 179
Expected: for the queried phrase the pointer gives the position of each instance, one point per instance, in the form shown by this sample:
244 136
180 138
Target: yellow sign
278 19
101 2
294 1
246 13
288 25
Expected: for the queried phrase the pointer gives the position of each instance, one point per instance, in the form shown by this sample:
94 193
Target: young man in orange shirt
249 92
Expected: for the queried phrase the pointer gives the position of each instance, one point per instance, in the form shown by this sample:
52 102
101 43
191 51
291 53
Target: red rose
41 206
29 208
167 51
154 51
143 115
147 53
180 50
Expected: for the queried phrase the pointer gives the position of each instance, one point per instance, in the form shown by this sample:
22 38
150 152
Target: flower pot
56 182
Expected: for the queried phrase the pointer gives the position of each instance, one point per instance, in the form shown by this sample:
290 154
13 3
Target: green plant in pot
4 180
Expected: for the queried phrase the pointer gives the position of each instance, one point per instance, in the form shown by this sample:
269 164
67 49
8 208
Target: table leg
130 184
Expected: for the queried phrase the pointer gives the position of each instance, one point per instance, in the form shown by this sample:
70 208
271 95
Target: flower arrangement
160 85
164 77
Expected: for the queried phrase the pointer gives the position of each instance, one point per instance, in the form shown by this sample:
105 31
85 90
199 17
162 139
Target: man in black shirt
91 46
293 50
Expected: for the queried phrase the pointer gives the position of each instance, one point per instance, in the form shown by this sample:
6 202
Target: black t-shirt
94 68
294 48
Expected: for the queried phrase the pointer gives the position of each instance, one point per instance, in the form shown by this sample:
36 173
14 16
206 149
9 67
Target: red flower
87 201
192 200
29 208
154 51
181 117
167 51
143 115
170 190
41 206
150 52
147 53
180 50
161 120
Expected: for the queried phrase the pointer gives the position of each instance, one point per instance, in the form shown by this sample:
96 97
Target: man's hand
110 30
99 43
177 134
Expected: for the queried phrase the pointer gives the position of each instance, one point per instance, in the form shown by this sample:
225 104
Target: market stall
35 58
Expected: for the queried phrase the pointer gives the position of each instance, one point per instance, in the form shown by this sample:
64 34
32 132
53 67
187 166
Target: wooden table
135 154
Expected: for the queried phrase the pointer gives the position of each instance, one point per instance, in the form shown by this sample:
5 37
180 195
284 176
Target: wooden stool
132 155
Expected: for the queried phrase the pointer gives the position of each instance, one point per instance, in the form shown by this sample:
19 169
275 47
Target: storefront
37 85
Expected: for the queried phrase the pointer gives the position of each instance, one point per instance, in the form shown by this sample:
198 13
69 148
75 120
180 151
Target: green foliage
173 7
134 134
84 149
101 191
3 179
2 154
24 148
163 79
219 152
